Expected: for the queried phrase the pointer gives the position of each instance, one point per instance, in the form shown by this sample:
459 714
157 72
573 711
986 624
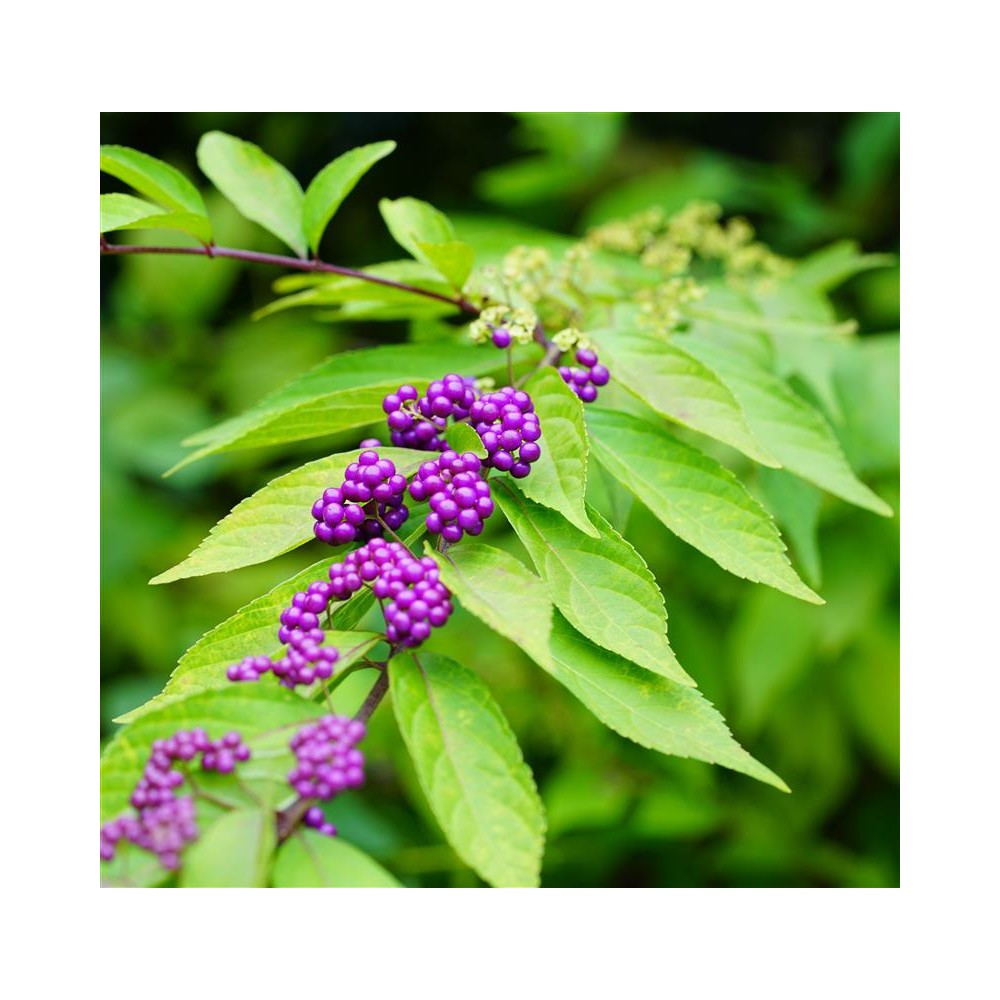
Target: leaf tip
882 508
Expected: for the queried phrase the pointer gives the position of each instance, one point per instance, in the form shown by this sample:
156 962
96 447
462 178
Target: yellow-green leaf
470 768
559 478
260 187
153 178
696 498
650 710
311 860
334 183
275 519
600 584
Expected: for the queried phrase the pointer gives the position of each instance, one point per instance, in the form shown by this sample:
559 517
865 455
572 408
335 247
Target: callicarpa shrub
675 352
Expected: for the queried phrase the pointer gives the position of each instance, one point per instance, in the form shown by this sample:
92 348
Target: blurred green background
812 692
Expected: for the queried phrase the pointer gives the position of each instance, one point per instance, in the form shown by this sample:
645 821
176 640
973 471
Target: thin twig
551 356
375 696
385 527
280 260
288 819
200 793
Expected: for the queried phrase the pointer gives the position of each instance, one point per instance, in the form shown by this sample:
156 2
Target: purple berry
530 452
501 337
586 380
599 375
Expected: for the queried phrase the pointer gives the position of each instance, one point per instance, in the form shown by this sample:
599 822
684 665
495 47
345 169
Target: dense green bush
740 397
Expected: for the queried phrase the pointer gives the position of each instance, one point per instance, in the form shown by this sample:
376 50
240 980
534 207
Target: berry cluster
327 760
585 381
307 659
250 668
459 497
165 823
162 830
372 493
508 427
418 601
415 421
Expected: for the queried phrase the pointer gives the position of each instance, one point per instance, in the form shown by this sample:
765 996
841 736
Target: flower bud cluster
503 326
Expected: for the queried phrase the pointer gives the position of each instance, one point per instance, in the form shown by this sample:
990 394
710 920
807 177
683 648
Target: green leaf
500 592
334 183
429 236
600 584
265 715
649 710
261 188
374 310
789 427
122 211
452 259
312 860
118 210
867 379
413 222
753 321
275 519
153 178
462 438
813 360
559 478
795 505
681 387
234 853
470 768
188 679
492 237
696 498
133 868
252 631
326 290
342 288
770 647
344 392
832 265
608 497
576 146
